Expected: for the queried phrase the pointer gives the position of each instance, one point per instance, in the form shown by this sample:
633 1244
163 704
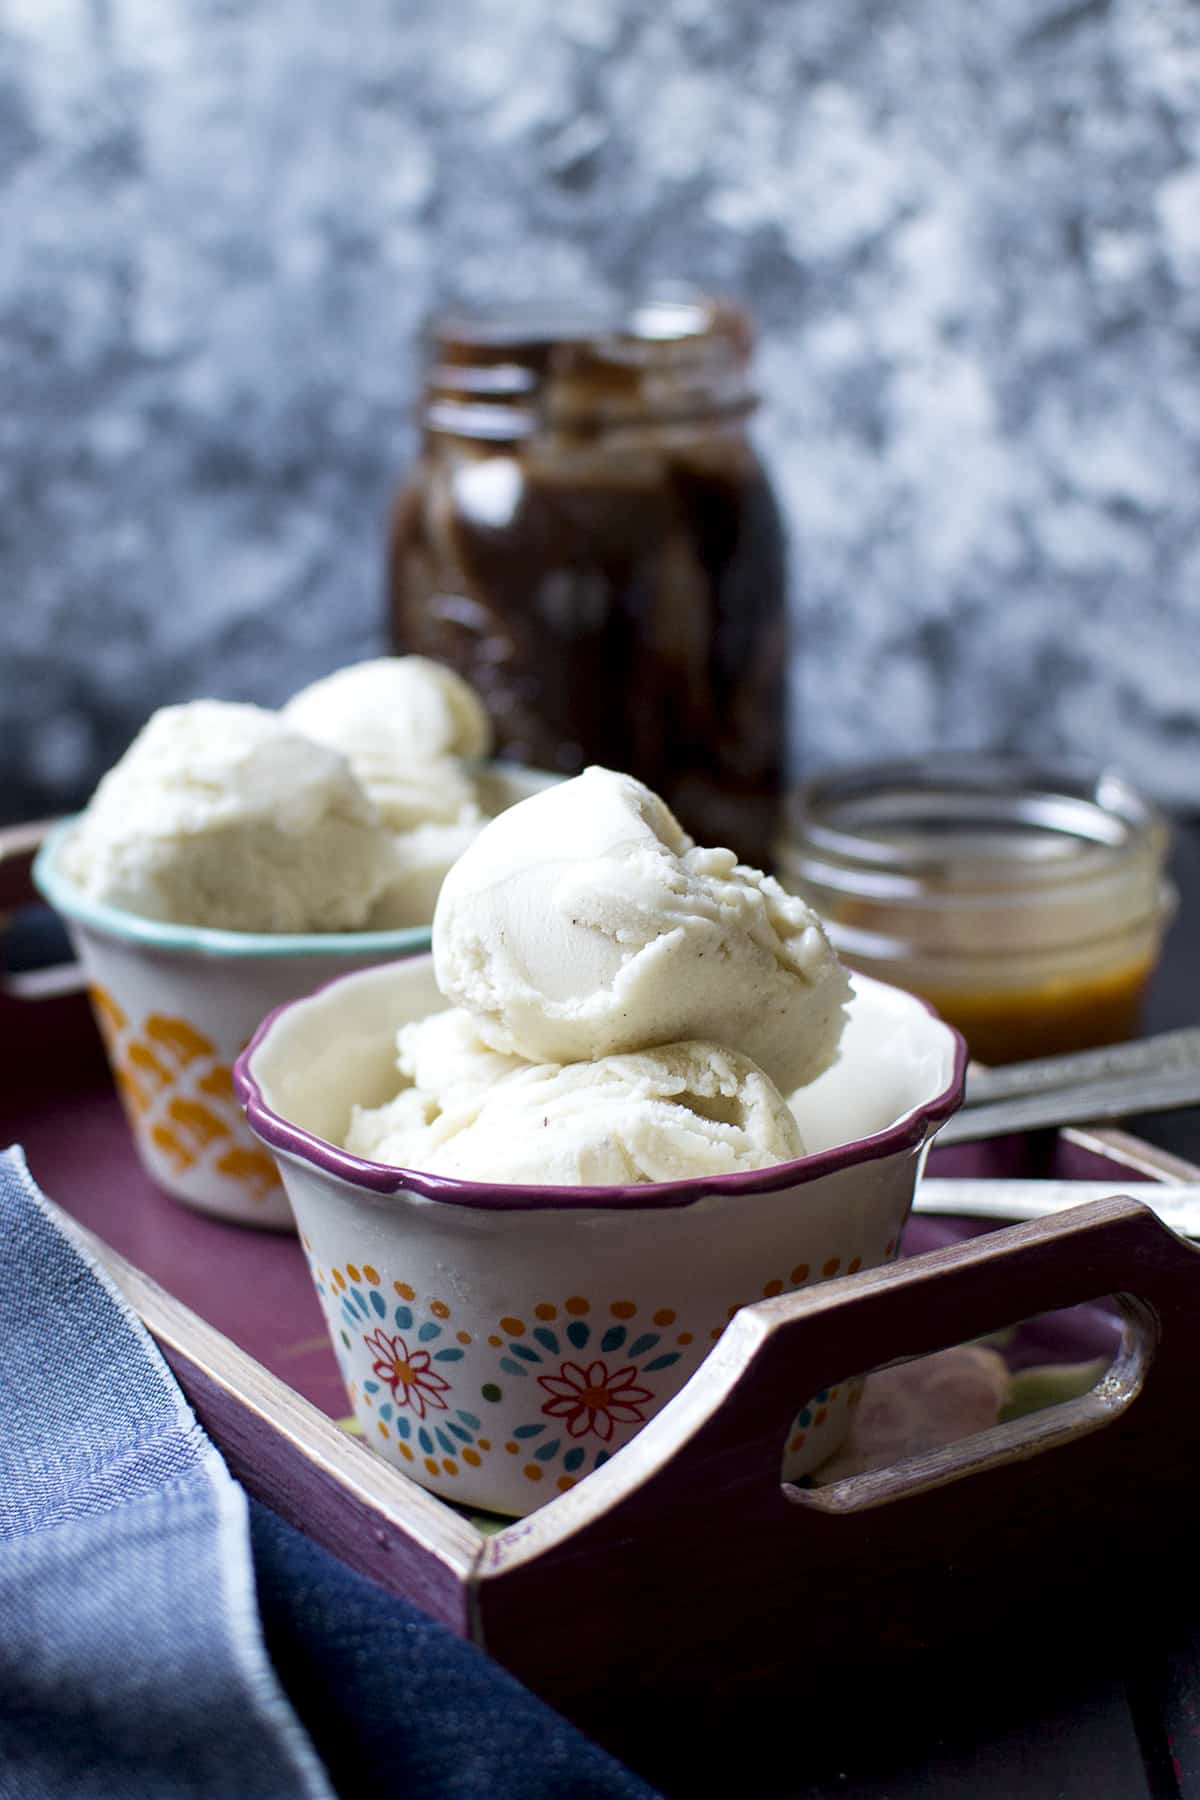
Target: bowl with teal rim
176 1004
499 1342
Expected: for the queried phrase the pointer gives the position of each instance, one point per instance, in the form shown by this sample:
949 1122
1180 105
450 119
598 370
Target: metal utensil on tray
1168 1050
1010 1201
1151 1074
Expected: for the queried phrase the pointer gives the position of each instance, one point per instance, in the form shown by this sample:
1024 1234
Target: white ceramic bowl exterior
498 1343
176 1006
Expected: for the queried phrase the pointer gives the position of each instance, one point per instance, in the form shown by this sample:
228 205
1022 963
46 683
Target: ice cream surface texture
585 923
224 815
401 721
679 1111
445 1055
406 726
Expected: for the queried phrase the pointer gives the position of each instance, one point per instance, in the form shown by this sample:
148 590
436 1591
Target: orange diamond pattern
179 1097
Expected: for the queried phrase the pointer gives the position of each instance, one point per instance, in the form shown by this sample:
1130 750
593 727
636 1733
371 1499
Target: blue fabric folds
132 1665
400 1708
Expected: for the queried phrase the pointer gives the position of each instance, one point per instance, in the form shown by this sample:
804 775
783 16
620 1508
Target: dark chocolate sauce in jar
590 538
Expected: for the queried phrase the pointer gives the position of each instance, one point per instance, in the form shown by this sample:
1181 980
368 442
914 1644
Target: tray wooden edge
353 1503
1147 1159
655 1574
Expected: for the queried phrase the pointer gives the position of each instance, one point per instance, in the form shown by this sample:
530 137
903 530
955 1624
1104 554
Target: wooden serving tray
683 1568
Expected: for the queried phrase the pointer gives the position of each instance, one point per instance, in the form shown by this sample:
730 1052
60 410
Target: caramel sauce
1026 904
1074 1012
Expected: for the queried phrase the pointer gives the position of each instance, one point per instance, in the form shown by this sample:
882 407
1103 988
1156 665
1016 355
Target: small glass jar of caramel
1027 904
590 538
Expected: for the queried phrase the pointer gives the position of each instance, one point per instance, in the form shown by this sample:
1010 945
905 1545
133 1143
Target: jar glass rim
966 823
672 354
669 320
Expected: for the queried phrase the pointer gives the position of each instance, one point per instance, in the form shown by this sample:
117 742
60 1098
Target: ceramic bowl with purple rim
176 1004
500 1342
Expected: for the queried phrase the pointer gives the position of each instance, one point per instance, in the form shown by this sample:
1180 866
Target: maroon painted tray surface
629 1551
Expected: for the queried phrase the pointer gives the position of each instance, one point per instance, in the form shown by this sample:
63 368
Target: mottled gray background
971 234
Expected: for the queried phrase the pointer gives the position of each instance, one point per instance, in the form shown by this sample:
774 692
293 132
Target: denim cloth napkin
401 1709
132 1664
132 1655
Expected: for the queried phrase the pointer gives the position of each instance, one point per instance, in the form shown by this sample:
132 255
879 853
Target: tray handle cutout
689 1536
800 1343
1115 1389
722 1436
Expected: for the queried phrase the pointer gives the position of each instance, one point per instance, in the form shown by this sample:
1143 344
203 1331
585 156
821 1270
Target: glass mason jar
1027 904
590 538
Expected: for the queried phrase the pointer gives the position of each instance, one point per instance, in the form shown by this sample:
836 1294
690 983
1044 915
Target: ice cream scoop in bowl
500 1340
229 863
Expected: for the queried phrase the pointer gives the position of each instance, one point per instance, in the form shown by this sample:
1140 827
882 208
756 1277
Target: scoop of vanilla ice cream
421 859
584 922
224 815
681 1110
445 1055
403 723
400 721
412 794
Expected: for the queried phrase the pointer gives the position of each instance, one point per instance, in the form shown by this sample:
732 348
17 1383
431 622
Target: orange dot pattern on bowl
801 1275
414 1356
568 1379
580 1375
178 1096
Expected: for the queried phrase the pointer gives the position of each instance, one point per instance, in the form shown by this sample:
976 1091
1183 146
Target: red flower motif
407 1373
591 1399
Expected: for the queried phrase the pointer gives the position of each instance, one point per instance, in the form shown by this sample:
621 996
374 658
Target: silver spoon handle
1169 1050
1176 1205
1089 1102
